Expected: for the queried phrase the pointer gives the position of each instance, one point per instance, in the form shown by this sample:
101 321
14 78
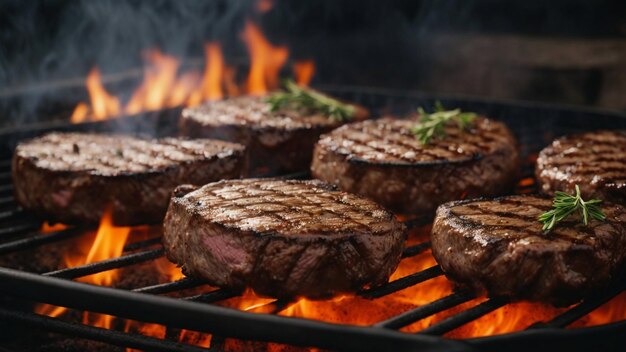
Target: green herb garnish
300 98
565 204
433 125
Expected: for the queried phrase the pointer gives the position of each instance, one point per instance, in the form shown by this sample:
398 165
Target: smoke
48 47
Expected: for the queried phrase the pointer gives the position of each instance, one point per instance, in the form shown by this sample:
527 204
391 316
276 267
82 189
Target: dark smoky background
571 52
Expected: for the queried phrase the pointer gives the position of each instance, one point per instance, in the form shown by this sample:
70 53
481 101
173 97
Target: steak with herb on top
384 161
282 238
73 177
498 246
596 161
278 141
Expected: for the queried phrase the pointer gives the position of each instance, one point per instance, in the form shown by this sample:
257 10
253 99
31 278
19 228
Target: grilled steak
278 142
384 161
73 177
282 238
596 161
498 246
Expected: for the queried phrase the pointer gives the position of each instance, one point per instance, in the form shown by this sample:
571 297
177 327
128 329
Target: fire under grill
187 303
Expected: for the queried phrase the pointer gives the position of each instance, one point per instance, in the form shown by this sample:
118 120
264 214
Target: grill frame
141 304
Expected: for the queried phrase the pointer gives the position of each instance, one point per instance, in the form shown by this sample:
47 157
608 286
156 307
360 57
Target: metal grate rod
19 229
402 283
178 285
214 296
584 308
37 240
93 268
427 310
142 244
415 250
113 337
464 317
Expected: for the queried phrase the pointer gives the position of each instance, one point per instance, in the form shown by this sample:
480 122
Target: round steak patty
596 161
282 238
73 177
278 141
384 161
498 246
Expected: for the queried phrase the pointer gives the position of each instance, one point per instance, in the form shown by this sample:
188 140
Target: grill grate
534 125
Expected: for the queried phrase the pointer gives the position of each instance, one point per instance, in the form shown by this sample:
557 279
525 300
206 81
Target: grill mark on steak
499 246
285 243
596 161
73 177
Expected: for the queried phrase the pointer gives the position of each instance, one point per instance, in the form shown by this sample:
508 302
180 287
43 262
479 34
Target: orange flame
266 60
162 87
108 243
304 71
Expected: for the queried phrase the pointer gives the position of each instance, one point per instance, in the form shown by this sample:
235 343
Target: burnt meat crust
382 160
282 238
498 246
596 161
73 177
278 142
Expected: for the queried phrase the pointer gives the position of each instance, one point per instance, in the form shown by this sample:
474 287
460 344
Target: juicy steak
278 142
498 246
596 161
384 161
282 238
73 177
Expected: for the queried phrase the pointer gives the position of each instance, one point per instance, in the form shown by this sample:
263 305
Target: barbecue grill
535 125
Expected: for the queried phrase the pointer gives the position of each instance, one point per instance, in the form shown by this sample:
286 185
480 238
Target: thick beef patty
498 246
282 238
73 177
384 161
278 142
596 161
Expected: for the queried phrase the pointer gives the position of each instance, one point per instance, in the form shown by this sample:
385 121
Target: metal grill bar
402 283
142 244
427 310
115 263
213 319
415 250
464 317
34 241
112 337
18 229
584 308
167 287
214 296
8 214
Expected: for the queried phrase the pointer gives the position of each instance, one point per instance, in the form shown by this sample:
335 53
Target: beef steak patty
498 246
282 238
596 161
384 161
278 142
72 177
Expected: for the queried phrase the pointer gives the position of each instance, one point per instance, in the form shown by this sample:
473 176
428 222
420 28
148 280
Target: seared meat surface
73 177
384 161
282 238
498 246
596 161
278 142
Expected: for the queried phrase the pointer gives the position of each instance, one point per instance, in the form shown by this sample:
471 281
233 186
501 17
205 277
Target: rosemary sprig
565 204
433 125
300 98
